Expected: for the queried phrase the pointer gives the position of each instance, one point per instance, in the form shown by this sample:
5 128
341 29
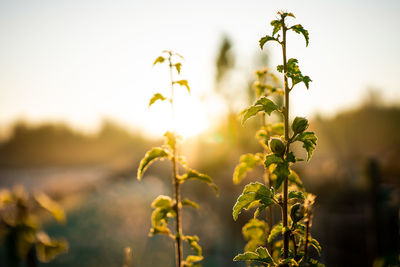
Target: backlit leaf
277 24
300 30
254 232
193 243
189 203
261 255
193 174
156 97
160 59
183 83
275 232
178 67
263 104
272 159
253 194
309 141
266 39
51 206
150 156
296 194
246 163
47 248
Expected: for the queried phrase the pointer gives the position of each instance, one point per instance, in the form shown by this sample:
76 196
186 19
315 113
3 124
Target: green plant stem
268 182
286 234
307 238
176 183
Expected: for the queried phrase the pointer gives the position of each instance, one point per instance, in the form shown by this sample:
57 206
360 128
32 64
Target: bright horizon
81 61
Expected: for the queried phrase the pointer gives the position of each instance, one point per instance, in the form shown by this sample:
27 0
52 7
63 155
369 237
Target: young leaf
163 202
156 97
263 104
192 240
183 83
171 139
178 67
253 193
192 259
51 206
299 29
309 142
266 39
150 156
160 59
246 163
277 24
261 255
163 208
275 231
47 248
193 174
189 203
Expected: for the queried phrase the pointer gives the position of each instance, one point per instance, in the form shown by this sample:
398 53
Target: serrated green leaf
160 59
280 68
189 203
277 24
296 194
309 141
193 174
178 67
156 97
294 73
261 255
272 159
47 248
150 156
255 232
247 162
282 172
266 39
316 245
275 232
253 193
299 29
262 104
183 83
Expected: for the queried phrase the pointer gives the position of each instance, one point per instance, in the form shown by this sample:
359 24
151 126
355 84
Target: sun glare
189 120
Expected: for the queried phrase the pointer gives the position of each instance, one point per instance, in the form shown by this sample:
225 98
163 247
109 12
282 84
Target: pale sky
79 61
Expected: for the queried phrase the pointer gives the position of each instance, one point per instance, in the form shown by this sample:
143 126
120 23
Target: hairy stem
286 117
307 238
176 183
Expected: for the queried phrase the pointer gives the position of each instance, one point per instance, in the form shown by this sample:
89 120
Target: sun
189 118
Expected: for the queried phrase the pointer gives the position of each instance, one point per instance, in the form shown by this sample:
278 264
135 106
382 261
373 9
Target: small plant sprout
283 186
166 207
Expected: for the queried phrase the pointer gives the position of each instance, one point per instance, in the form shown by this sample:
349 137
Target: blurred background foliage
354 173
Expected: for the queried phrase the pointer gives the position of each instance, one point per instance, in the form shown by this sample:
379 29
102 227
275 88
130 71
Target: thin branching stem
176 183
286 234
